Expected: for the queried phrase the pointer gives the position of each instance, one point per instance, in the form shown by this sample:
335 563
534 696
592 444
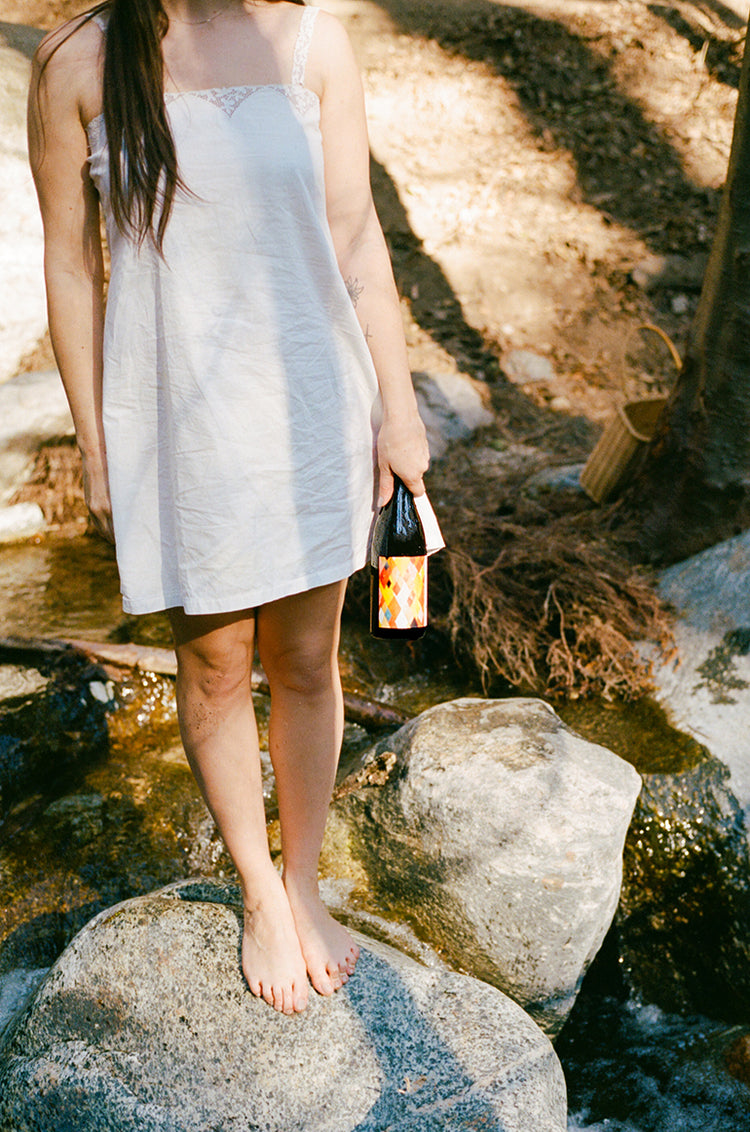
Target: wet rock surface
683 924
145 1021
47 737
497 833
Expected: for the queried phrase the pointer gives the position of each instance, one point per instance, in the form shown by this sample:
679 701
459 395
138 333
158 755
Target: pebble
524 367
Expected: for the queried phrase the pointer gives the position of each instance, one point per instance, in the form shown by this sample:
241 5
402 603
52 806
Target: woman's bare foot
272 960
328 950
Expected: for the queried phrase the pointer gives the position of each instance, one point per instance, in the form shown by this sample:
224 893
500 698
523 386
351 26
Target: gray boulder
498 833
452 407
145 1022
524 367
705 686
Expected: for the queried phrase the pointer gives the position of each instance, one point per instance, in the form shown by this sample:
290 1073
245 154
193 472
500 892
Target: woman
226 405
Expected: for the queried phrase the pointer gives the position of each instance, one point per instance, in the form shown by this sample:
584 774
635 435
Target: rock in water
498 833
705 687
145 1022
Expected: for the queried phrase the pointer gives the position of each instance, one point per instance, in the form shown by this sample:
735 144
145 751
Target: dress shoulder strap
302 45
100 21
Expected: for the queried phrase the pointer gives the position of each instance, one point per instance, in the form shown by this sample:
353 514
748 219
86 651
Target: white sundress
239 392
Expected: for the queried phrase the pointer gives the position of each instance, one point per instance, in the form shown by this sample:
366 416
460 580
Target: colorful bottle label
402 592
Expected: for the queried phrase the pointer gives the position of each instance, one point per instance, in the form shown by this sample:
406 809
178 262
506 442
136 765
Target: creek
124 817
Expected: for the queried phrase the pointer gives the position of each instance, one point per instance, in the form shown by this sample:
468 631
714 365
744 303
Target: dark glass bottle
398 569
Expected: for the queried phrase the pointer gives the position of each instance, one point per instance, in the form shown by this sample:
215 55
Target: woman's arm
59 97
363 255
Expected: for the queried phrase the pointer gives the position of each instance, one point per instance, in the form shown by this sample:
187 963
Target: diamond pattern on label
402 586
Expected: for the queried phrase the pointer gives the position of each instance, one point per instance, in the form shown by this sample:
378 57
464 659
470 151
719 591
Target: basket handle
655 330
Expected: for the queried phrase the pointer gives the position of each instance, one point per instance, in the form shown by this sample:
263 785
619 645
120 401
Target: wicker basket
626 435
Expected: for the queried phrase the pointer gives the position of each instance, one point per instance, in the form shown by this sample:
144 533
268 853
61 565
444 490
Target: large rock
33 411
705 687
145 1022
23 310
498 833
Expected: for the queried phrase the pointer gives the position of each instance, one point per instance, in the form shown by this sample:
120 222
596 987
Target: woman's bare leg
298 640
219 733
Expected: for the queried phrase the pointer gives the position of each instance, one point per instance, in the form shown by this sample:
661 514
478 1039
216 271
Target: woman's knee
307 667
298 640
217 662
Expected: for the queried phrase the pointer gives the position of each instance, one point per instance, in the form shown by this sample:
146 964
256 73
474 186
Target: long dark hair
143 173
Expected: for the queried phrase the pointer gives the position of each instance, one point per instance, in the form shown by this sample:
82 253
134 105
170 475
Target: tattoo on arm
354 288
368 335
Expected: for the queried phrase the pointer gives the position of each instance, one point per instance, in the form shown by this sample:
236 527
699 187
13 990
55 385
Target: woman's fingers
96 494
385 485
103 524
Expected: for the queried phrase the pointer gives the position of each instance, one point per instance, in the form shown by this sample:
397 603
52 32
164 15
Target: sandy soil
548 176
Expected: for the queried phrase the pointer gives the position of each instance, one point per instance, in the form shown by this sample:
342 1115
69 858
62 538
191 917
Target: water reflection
59 587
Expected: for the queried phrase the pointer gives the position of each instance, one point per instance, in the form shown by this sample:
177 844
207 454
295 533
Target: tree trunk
693 488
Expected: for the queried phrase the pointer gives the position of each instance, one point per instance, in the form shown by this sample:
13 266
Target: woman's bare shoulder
68 64
331 51
77 42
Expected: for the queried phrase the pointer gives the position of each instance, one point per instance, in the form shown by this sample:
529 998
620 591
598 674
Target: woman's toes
299 998
322 982
255 987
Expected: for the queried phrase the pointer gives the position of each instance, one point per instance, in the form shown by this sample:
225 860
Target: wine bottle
398 569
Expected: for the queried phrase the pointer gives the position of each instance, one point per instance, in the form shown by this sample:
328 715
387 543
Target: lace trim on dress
230 98
302 46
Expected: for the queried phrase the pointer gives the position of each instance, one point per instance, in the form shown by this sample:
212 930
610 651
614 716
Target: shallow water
128 819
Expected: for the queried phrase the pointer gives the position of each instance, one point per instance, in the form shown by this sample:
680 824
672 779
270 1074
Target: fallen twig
118 659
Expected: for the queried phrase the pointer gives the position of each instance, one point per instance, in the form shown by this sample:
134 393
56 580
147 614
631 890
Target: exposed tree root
541 593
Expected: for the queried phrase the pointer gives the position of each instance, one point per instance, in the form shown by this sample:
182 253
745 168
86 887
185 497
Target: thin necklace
197 23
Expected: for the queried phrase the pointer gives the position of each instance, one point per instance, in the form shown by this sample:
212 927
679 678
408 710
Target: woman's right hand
402 450
96 494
